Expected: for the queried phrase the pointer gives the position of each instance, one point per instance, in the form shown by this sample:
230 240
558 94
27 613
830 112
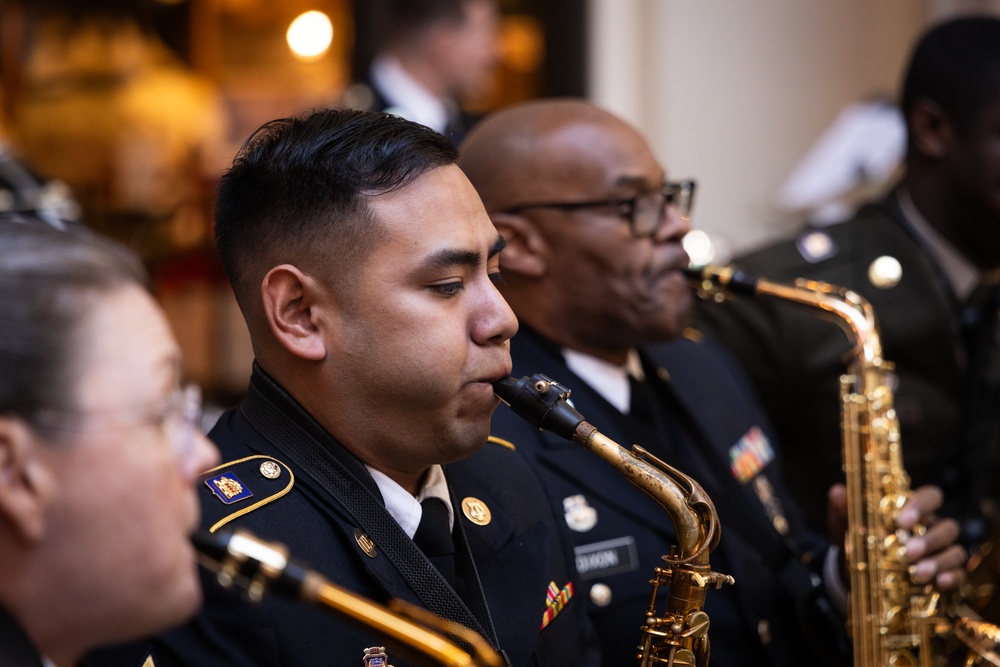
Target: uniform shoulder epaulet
503 443
236 488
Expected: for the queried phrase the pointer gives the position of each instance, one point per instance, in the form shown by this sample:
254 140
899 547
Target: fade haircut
956 65
49 282
298 193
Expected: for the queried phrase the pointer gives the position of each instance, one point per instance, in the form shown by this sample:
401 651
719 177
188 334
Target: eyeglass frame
683 191
180 418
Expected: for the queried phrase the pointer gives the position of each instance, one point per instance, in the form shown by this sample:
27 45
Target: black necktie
642 403
434 538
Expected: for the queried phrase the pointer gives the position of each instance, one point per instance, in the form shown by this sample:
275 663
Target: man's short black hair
956 64
408 16
298 191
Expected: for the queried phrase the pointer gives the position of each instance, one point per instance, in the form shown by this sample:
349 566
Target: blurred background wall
138 105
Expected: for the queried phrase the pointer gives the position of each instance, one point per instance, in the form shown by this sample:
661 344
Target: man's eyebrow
448 258
498 245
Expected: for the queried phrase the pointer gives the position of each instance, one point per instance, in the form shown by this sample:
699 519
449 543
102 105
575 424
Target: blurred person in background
435 55
99 447
927 257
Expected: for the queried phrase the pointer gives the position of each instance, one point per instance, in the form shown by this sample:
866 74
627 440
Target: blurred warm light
522 43
310 35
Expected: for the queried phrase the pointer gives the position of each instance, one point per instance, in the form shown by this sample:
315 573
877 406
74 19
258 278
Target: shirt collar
961 274
607 379
407 97
404 507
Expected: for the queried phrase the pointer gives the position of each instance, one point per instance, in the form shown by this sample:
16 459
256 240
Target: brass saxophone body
679 635
243 560
892 620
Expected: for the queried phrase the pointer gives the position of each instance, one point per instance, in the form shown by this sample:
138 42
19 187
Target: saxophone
892 620
679 636
241 559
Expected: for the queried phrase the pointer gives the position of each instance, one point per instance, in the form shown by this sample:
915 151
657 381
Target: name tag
603 559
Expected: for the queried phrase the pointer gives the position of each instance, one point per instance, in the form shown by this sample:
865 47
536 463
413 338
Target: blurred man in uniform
593 270
927 258
436 54
99 448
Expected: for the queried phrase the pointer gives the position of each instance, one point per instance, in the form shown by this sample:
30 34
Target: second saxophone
892 620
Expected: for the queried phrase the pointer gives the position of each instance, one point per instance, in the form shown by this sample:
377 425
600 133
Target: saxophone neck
846 308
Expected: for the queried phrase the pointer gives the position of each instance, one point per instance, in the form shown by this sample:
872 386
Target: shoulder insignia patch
815 246
227 488
261 478
503 443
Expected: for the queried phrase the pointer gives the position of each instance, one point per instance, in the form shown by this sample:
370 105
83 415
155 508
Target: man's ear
27 481
290 300
526 252
931 129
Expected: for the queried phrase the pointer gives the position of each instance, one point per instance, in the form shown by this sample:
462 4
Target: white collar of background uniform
404 507
961 274
406 96
607 379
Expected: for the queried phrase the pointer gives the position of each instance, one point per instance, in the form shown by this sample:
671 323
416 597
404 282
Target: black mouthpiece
732 280
541 402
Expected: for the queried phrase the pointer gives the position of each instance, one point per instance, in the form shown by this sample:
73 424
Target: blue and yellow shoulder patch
503 443
243 485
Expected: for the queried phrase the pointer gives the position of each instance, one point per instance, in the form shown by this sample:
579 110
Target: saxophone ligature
892 620
677 637
241 559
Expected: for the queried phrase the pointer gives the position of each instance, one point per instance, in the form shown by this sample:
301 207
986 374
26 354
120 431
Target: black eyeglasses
646 211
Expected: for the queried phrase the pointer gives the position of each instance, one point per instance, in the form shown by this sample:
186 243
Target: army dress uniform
280 488
795 359
777 613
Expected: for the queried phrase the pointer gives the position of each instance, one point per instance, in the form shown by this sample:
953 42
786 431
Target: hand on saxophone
935 555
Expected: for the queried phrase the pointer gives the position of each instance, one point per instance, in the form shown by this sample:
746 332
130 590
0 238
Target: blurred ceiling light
310 35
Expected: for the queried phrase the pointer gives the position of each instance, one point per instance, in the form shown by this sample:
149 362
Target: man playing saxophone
365 267
593 270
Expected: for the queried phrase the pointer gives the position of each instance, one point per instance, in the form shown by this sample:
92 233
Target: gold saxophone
239 558
679 636
892 620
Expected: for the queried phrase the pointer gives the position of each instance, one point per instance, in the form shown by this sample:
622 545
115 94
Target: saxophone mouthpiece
541 401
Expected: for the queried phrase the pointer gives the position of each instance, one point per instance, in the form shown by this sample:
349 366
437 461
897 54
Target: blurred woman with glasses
99 448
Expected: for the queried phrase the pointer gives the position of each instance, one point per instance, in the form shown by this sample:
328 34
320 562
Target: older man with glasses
592 268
